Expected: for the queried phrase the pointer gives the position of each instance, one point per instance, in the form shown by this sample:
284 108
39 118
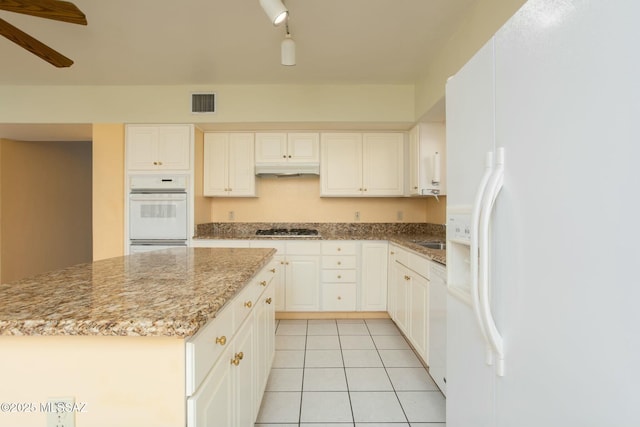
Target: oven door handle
157 197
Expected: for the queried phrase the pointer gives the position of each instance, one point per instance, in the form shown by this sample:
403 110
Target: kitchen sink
431 244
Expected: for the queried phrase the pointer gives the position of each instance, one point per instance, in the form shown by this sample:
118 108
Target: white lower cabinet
236 357
409 286
374 276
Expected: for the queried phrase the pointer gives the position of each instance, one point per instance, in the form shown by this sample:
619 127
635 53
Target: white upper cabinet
229 164
295 148
427 160
362 164
158 147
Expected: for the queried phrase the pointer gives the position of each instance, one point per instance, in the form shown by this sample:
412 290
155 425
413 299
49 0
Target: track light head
275 10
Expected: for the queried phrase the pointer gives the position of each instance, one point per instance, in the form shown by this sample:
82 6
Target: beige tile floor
348 373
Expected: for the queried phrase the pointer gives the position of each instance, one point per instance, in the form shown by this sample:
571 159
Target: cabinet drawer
303 248
339 261
338 297
245 301
206 346
338 276
419 264
400 255
339 248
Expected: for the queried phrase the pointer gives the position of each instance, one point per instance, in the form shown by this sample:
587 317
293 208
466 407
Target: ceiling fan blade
34 46
51 9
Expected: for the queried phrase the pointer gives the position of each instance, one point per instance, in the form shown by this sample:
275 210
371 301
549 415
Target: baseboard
280 315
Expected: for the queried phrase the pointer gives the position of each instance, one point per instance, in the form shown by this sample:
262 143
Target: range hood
287 169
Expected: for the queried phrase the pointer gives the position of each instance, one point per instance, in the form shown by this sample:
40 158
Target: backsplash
231 229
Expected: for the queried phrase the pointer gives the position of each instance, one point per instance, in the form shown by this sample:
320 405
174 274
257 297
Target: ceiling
192 42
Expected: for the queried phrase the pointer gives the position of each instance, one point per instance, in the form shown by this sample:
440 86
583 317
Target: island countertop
170 293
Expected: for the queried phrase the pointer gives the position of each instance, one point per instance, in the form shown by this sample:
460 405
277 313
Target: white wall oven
158 212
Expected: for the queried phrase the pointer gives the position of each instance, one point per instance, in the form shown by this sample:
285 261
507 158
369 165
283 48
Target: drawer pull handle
221 340
268 300
248 304
235 361
273 270
263 283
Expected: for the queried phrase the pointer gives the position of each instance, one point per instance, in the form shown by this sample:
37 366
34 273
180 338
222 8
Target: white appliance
158 213
438 326
543 325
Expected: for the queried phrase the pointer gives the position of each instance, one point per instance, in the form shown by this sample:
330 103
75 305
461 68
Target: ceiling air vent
203 102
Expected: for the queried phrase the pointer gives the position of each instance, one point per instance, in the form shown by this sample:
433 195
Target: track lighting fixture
288 49
275 10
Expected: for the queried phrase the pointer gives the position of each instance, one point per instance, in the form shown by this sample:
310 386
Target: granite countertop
403 234
171 293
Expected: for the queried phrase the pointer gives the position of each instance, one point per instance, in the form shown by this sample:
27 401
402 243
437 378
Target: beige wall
298 200
368 104
483 19
46 206
108 190
124 381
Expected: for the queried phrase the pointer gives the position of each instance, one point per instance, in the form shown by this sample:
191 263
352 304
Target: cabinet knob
339 297
415 188
240 355
263 283
155 163
268 300
235 361
339 249
339 276
273 270
289 155
221 340
365 189
339 263
284 156
392 253
407 277
160 163
248 304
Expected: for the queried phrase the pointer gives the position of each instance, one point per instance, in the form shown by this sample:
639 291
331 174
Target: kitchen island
113 334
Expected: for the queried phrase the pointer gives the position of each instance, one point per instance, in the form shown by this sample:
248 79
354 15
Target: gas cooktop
288 232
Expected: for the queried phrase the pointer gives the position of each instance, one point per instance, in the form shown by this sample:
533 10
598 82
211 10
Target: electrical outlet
61 412
357 216
400 215
232 215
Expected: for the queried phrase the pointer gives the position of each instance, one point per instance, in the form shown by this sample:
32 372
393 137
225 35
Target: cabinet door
373 296
419 300
142 147
303 147
392 284
414 162
403 282
383 164
264 336
242 177
271 147
244 375
216 147
302 283
174 144
212 404
341 164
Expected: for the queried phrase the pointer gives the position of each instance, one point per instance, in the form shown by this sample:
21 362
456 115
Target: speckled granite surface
168 293
403 234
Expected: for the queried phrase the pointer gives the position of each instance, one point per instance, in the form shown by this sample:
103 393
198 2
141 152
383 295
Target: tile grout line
393 387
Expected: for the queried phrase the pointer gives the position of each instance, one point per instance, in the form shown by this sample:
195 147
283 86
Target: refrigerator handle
493 189
474 249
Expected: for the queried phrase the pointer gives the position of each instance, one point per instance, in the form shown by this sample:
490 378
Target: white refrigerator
543 206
